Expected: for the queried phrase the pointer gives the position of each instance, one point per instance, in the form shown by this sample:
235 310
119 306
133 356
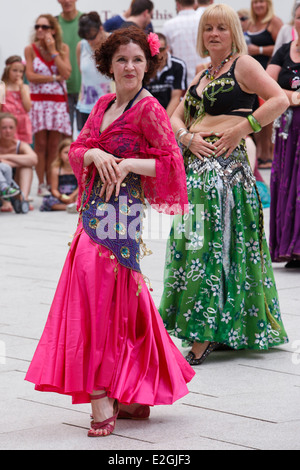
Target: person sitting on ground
6 190
17 154
64 187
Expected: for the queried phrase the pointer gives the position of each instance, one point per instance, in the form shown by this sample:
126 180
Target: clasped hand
112 171
226 143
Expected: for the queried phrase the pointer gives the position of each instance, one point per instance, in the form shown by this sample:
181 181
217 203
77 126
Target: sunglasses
244 18
44 27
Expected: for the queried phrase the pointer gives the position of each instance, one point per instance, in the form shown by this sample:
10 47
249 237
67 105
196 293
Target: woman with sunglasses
47 68
93 83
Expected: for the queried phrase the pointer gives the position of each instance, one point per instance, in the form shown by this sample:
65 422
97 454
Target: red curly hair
121 37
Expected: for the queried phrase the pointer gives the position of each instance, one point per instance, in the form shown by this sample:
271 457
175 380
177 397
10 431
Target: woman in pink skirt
104 341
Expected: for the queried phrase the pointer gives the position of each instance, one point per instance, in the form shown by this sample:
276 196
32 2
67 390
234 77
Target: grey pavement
237 401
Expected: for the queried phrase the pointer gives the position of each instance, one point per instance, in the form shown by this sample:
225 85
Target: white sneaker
72 208
43 191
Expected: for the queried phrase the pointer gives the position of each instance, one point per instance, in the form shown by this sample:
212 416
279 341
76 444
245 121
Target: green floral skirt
219 283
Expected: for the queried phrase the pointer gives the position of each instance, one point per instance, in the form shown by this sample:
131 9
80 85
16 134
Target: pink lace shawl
144 131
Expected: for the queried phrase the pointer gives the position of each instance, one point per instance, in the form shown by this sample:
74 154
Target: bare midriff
216 124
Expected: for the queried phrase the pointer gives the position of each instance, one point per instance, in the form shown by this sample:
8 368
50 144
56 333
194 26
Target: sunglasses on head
44 27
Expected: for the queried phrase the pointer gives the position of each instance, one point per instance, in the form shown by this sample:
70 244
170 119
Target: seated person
6 189
170 82
17 154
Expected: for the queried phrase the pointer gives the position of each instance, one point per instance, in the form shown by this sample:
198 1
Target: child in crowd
17 97
64 187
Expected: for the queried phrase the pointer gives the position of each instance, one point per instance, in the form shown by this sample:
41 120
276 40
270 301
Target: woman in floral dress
219 284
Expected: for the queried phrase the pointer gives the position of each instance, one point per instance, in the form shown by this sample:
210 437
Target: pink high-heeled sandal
106 424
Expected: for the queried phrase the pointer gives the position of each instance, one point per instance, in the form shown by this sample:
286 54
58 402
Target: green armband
256 127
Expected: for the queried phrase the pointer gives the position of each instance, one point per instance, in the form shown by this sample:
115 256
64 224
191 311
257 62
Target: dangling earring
234 50
206 52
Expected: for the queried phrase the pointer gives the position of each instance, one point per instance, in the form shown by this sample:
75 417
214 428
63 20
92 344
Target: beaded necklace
210 75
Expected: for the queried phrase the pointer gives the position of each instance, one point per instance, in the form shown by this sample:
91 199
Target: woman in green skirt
219 286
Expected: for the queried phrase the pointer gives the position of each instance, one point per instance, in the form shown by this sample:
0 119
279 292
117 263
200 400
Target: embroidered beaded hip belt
117 224
233 169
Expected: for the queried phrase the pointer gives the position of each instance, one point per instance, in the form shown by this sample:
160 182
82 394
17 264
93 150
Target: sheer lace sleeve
142 132
167 192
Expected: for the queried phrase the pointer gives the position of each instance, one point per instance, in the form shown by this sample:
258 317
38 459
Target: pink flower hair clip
154 44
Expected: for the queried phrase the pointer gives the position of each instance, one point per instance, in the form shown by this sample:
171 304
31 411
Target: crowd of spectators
47 95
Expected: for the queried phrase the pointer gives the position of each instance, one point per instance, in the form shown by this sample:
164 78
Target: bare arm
78 47
255 50
25 96
293 96
31 75
62 61
275 26
25 158
54 183
174 101
62 58
254 79
199 147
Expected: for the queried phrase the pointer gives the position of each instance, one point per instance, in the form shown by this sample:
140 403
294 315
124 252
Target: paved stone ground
238 400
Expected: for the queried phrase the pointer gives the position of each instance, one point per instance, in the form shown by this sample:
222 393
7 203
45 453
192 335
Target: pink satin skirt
101 335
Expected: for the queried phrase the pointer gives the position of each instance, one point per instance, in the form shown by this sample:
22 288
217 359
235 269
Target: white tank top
93 83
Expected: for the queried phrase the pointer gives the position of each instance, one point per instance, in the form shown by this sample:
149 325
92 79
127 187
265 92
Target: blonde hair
295 8
244 12
57 31
58 161
228 16
8 116
270 12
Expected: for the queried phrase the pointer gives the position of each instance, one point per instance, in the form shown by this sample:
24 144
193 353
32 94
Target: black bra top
129 104
223 95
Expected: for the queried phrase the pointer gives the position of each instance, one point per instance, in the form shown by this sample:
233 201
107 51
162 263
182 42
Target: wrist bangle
185 132
190 141
261 50
256 127
179 130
